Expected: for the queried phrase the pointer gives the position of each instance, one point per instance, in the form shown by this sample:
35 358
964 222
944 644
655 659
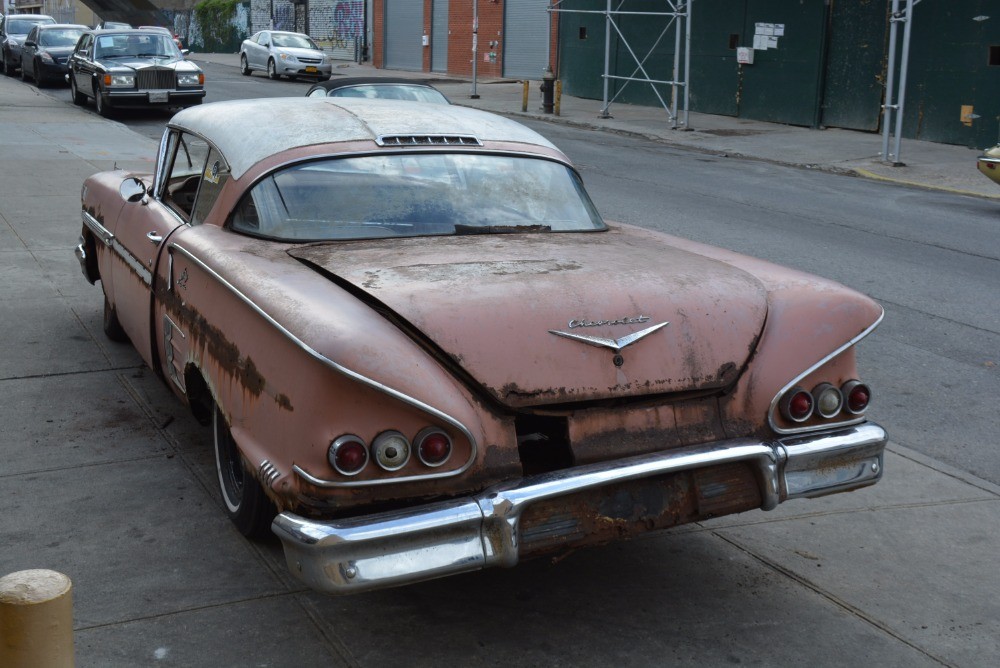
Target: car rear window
416 194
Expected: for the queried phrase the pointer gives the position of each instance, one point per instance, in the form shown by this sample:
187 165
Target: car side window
213 178
32 36
84 45
184 175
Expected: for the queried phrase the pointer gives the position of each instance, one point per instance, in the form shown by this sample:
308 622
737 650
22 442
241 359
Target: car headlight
286 56
46 58
119 80
192 79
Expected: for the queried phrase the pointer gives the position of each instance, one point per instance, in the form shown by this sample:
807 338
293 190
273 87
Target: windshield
59 37
416 194
147 45
293 41
391 92
24 26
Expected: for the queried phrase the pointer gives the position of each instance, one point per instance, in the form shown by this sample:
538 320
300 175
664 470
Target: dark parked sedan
133 68
381 88
13 29
46 51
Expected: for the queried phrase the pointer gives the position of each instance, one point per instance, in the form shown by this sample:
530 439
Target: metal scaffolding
679 14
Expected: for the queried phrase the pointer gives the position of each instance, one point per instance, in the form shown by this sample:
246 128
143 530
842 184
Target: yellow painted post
524 96
36 620
558 95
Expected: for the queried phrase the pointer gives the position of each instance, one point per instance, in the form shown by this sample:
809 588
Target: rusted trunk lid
493 302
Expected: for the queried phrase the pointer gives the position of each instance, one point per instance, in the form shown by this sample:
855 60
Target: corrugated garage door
439 36
404 27
526 39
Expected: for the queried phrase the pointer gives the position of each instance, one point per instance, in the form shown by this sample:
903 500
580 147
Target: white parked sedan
280 53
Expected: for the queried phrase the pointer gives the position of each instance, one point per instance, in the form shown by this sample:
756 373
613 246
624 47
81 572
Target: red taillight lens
348 455
433 447
797 405
857 396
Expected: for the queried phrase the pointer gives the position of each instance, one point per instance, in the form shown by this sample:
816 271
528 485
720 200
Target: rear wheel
8 67
79 98
246 504
272 71
244 66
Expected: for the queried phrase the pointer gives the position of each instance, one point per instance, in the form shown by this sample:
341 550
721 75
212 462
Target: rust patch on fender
225 353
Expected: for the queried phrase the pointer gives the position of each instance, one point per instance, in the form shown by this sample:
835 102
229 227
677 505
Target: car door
142 229
260 49
80 66
171 333
28 53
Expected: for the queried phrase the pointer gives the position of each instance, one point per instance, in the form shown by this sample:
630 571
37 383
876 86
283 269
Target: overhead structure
678 15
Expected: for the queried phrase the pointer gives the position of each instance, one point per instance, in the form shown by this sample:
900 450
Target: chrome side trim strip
112 242
103 233
385 389
475 532
829 425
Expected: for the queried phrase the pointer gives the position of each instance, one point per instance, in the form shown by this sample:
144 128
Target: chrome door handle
154 238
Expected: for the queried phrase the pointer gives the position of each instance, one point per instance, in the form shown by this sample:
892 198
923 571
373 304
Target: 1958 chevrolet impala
421 350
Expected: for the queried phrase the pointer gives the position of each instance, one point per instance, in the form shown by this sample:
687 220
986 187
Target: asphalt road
932 259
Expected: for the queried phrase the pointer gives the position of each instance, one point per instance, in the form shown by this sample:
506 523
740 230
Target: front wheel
79 98
112 327
101 103
246 504
272 71
244 66
8 67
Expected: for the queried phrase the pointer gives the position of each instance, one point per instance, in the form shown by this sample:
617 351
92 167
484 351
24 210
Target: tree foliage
215 18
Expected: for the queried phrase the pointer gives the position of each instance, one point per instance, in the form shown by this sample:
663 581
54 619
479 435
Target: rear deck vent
428 140
543 443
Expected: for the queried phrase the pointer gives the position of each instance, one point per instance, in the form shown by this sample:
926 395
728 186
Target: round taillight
857 396
348 455
797 405
391 450
433 447
828 400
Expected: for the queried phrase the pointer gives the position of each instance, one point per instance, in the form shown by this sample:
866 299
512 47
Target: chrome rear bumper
438 539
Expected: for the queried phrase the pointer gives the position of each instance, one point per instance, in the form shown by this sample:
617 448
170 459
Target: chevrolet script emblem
615 345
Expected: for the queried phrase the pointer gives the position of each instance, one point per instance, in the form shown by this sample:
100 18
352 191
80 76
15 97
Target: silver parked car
13 29
280 53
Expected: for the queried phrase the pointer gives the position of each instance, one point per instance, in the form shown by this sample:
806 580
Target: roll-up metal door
439 36
404 28
525 38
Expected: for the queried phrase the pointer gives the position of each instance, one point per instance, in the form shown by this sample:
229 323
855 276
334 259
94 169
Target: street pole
475 47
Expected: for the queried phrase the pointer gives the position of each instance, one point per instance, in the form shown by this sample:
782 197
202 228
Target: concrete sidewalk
108 479
925 164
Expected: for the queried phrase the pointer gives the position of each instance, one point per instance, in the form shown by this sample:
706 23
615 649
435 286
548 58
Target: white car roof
248 131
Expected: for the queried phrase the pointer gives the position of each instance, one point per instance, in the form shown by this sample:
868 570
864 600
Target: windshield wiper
500 229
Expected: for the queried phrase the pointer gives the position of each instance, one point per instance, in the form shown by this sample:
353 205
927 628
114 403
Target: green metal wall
828 68
855 66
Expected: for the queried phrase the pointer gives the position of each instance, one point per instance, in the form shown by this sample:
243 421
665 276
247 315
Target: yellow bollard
524 96
36 620
558 95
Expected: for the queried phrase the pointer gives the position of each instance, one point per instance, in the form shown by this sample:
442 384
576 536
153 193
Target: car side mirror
185 52
132 190
28 43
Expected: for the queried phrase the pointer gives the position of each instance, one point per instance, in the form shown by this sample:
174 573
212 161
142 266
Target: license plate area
311 70
159 96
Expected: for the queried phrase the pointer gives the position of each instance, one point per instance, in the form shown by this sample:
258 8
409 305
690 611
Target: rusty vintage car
421 351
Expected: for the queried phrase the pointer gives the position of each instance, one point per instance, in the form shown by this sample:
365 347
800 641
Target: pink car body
408 397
